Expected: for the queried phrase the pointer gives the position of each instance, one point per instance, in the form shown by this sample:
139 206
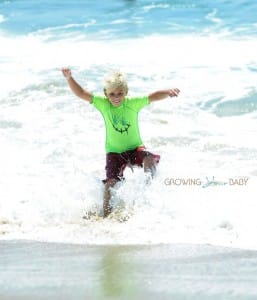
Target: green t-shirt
121 123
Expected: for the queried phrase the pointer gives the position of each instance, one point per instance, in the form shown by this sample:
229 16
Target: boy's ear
105 93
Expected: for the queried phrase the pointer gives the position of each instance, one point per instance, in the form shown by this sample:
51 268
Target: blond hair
115 80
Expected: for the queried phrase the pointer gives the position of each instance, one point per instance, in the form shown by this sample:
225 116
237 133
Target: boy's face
116 96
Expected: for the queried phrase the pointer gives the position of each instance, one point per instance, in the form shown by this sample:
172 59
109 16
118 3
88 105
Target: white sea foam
206 65
147 8
212 17
119 21
52 145
50 31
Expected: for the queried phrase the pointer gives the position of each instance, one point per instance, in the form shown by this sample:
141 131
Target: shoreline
66 271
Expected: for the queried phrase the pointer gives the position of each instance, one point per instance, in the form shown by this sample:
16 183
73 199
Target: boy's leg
115 164
107 196
146 159
149 164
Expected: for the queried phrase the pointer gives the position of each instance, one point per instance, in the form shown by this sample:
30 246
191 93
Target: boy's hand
174 92
66 73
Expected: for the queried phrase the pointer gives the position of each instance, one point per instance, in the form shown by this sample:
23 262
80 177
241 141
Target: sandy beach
34 270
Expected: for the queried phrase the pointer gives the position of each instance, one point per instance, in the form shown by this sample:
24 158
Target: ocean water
52 144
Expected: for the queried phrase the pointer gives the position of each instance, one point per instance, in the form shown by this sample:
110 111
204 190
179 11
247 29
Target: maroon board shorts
117 162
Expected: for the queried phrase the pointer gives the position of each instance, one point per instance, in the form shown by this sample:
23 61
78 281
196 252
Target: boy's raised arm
75 87
162 94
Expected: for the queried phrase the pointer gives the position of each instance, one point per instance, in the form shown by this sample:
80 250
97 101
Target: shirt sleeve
99 102
137 103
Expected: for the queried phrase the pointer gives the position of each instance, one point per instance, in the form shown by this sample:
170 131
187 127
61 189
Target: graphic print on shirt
120 124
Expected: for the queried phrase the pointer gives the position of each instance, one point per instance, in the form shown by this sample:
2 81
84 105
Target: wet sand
33 270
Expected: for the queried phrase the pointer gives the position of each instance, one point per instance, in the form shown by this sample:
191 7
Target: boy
123 145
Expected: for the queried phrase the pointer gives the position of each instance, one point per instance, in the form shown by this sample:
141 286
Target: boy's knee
149 164
149 159
110 182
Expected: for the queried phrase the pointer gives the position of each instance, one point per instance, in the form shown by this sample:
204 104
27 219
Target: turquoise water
130 18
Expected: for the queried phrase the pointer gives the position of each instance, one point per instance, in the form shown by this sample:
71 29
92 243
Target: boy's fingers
65 69
174 92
